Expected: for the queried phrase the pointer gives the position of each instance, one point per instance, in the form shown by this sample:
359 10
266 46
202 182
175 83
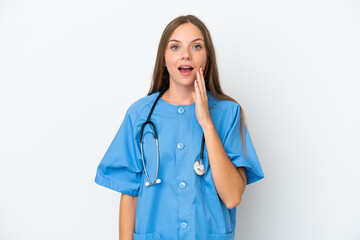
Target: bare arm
128 205
230 182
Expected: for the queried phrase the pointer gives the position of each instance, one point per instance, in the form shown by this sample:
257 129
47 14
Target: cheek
204 63
169 61
203 59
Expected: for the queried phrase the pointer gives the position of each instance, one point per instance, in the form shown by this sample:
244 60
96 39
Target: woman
188 185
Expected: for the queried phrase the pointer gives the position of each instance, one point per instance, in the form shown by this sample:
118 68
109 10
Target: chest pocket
147 236
219 236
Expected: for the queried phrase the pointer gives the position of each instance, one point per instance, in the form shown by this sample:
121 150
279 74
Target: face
185 53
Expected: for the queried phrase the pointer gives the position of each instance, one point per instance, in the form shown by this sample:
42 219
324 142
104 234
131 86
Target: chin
185 83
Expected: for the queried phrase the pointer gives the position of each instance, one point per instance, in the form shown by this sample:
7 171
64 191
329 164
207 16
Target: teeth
185 67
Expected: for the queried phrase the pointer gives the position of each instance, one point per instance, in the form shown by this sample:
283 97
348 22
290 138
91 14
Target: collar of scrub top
198 166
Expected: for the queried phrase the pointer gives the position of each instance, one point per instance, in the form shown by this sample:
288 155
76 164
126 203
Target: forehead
186 32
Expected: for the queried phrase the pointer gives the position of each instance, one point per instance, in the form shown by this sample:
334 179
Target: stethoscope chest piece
199 168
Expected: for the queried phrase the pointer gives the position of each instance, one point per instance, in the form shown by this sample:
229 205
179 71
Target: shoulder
224 113
138 106
226 107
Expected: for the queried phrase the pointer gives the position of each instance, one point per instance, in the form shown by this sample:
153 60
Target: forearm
229 182
128 205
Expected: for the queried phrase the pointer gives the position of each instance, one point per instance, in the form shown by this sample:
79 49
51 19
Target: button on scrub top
184 205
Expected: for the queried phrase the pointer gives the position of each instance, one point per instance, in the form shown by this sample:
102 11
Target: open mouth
185 69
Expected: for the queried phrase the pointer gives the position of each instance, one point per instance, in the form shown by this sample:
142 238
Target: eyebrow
174 40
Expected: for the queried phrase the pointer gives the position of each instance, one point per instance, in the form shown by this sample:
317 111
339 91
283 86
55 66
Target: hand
201 101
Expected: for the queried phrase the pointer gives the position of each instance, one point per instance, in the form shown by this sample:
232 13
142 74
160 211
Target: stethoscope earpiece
157 181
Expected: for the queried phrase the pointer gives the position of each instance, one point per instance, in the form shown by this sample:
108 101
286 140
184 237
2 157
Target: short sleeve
119 169
234 149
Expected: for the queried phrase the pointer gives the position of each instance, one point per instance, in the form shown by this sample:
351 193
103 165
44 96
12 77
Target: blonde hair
160 78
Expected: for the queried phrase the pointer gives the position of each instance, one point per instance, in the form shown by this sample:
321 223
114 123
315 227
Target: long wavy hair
160 78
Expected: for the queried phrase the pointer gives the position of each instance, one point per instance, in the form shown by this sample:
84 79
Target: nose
186 54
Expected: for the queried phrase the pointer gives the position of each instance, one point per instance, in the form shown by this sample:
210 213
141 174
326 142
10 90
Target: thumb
193 93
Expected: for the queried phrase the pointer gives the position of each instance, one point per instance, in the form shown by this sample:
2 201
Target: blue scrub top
184 205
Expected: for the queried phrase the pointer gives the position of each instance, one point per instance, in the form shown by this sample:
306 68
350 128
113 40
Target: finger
203 81
197 90
198 75
202 84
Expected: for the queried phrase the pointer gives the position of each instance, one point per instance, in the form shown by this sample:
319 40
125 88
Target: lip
184 65
186 73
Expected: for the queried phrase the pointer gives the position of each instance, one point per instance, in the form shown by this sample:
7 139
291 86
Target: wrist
209 125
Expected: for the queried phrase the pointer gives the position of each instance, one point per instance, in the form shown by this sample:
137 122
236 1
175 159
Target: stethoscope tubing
199 169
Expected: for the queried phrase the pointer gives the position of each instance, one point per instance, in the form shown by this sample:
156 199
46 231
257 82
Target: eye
197 47
174 47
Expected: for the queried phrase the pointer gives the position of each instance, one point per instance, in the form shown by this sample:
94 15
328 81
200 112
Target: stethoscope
198 165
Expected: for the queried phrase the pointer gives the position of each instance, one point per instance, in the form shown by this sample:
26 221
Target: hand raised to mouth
201 101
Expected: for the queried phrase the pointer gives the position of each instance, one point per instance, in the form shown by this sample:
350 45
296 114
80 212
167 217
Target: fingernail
201 69
196 81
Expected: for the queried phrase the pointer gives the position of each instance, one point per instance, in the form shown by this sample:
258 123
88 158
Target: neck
178 95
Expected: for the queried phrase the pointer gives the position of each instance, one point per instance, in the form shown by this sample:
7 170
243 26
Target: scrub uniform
184 205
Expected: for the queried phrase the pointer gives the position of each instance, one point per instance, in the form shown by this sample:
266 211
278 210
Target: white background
70 69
